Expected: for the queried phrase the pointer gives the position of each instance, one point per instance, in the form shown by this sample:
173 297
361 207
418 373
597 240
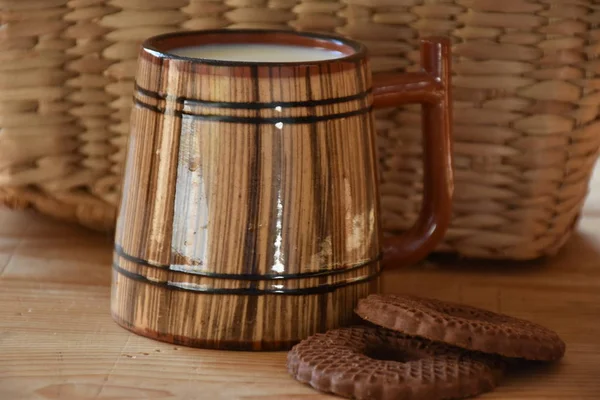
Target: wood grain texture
249 216
58 341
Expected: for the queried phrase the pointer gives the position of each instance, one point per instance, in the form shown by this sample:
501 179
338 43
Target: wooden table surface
57 339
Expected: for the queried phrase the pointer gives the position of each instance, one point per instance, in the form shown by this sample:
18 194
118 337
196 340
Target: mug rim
153 44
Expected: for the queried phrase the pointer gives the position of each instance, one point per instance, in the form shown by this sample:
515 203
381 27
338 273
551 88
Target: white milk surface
257 52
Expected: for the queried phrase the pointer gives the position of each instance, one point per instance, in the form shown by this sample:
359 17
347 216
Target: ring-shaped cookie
463 326
379 364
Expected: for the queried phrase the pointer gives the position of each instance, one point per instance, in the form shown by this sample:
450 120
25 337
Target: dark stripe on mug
255 120
247 277
150 107
191 287
255 105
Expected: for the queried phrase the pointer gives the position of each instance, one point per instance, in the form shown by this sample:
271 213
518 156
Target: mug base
231 322
203 343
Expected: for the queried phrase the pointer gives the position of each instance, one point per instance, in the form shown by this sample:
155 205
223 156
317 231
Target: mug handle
431 88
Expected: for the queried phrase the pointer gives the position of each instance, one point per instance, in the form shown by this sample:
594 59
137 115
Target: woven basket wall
527 91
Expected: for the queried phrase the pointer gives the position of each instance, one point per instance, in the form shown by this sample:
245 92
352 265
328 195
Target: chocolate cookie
379 364
463 326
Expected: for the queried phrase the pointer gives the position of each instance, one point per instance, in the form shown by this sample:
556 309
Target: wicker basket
526 81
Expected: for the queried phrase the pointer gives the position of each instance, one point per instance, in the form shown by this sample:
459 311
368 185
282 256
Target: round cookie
359 363
463 326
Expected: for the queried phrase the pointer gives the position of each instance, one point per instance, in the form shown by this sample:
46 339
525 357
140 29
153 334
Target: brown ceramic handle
431 88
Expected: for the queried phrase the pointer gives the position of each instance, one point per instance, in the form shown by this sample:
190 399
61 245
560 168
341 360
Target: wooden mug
249 216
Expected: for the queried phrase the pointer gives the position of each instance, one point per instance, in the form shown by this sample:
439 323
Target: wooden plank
57 339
